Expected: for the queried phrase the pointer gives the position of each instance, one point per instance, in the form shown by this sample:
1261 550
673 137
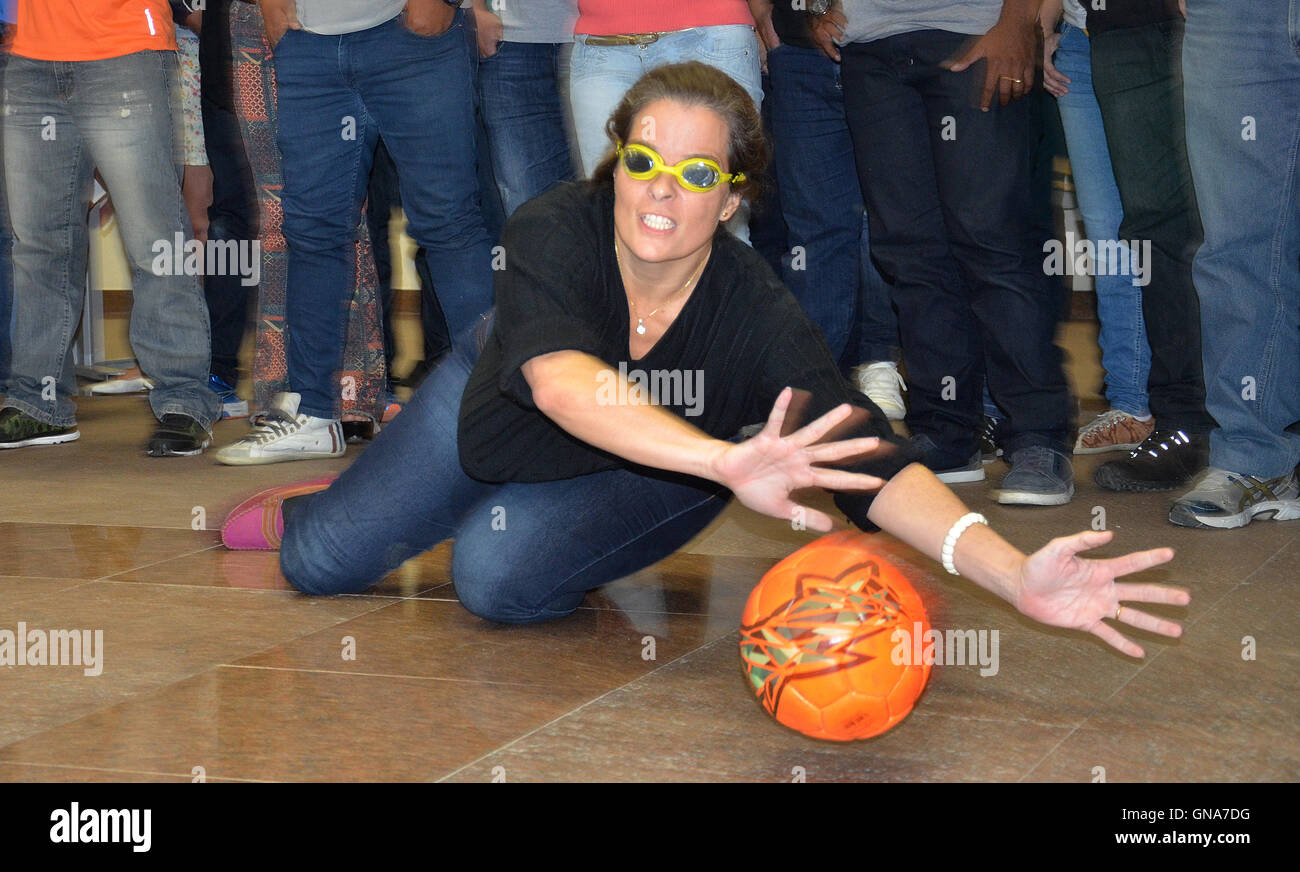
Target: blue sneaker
231 405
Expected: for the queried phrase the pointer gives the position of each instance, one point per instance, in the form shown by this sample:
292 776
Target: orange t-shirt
91 30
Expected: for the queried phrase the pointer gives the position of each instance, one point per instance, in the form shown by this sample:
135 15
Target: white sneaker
121 386
284 435
881 382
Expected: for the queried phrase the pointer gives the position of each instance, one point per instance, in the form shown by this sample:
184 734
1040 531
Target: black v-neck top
740 338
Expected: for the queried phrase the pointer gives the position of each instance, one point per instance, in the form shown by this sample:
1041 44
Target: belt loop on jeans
627 38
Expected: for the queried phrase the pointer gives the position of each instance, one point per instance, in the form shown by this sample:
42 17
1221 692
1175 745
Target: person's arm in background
186 14
1010 49
280 16
828 27
767 38
1054 81
490 29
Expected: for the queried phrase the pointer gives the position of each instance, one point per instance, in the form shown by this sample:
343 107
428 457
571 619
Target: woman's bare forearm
920 510
574 390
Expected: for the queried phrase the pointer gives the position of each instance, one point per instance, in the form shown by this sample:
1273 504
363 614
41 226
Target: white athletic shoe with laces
284 435
882 383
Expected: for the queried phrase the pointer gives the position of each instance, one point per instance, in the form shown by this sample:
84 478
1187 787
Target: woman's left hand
1059 588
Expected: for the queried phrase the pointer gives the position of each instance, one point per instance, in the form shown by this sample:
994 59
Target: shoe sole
44 440
964 476
1029 498
284 458
1106 479
164 451
1128 446
1266 511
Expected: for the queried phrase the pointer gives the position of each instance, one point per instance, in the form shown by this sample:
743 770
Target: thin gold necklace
640 322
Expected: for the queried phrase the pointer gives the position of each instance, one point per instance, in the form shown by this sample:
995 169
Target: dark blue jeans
337 95
232 216
955 217
523 89
524 551
830 273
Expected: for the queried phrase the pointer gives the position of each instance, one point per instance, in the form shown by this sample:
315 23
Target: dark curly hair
696 84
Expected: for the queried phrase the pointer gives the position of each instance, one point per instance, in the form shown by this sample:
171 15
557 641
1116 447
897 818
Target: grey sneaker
972 470
1039 476
1224 500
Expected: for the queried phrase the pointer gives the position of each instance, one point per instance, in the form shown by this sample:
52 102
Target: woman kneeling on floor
593 424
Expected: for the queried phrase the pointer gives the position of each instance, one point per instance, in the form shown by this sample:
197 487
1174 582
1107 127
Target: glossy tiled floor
211 661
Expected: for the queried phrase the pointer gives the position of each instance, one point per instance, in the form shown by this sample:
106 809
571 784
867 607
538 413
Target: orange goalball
817 640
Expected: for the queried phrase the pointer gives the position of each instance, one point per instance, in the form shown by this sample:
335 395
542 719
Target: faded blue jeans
62 120
524 552
1125 354
601 74
1242 96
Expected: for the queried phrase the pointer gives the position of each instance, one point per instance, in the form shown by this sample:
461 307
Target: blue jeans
601 74
62 120
831 275
1125 354
1247 272
523 90
524 551
337 94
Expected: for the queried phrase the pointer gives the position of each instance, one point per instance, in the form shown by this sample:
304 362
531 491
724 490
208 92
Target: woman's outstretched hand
1059 588
763 471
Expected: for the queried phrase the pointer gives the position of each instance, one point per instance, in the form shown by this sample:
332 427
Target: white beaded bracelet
950 541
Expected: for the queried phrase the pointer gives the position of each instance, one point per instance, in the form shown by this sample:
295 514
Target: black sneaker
1167 459
178 436
19 429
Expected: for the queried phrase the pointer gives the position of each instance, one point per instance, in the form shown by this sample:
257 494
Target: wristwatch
818 8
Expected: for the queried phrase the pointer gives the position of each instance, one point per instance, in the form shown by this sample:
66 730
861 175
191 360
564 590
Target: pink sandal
256 524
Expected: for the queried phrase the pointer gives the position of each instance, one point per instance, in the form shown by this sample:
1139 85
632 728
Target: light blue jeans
1242 98
1125 354
63 120
600 75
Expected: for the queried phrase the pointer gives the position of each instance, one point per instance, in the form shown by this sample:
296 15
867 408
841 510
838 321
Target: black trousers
1137 75
955 211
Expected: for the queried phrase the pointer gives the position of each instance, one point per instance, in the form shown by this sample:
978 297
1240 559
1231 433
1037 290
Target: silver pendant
640 328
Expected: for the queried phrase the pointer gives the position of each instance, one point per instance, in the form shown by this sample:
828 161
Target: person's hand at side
280 17
490 29
763 27
429 17
825 29
1009 50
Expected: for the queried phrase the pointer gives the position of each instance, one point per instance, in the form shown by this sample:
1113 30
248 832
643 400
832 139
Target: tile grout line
1209 610
189 775
574 711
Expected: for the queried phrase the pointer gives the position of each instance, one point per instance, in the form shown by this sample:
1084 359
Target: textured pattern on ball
815 640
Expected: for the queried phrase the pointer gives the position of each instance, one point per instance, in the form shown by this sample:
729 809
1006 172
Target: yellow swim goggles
697 174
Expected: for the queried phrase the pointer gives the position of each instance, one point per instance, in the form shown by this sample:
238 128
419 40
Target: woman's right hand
763 471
